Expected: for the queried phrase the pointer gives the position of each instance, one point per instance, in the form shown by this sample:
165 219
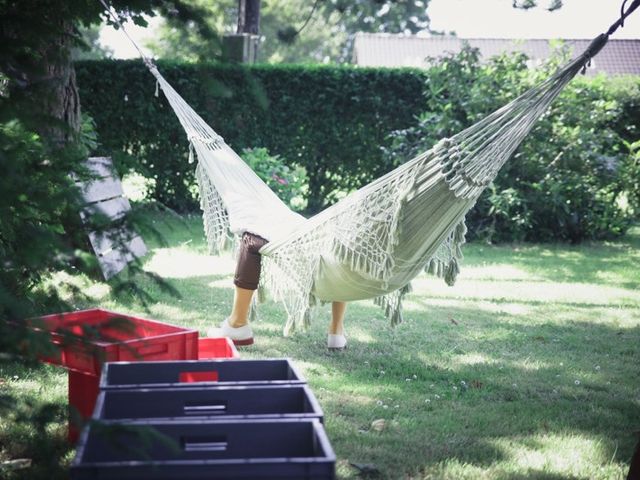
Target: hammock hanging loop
623 15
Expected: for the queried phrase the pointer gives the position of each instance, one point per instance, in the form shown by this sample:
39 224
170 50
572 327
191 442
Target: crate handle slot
155 349
219 408
204 444
190 377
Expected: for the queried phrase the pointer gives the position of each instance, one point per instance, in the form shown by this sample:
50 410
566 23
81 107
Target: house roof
618 57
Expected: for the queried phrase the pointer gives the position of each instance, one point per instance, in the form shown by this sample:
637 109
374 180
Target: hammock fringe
427 197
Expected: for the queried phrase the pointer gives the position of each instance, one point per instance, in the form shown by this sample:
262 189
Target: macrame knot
191 154
442 145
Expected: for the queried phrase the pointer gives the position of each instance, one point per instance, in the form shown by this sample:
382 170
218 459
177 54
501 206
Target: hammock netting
372 243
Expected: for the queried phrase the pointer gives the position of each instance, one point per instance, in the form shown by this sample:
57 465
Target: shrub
289 183
566 180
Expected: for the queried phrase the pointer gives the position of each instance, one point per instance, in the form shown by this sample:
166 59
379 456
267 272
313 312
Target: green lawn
527 368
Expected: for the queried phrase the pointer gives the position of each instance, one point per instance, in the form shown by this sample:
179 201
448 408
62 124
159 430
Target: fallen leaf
379 424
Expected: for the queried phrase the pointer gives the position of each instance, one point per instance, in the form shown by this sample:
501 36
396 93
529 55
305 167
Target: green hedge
331 120
349 125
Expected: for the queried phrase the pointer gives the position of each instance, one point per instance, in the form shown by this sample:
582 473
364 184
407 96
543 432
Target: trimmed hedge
331 120
349 125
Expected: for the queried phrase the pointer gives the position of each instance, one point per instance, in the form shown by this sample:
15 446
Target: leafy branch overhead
550 5
294 30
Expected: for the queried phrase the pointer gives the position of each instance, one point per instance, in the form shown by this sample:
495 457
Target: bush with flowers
289 182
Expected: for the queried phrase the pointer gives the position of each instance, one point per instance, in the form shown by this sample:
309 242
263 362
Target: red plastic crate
110 337
106 336
83 392
222 347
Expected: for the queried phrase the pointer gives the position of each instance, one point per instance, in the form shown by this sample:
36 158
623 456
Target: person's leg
246 280
336 327
241 306
336 339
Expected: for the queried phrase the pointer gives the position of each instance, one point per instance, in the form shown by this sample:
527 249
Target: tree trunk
54 89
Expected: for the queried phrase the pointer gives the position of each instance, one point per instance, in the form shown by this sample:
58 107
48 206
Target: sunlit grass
527 368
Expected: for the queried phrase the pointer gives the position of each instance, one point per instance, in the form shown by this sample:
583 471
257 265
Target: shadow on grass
562 263
521 387
475 408
34 427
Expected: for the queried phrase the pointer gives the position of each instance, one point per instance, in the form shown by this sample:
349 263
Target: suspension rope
147 61
623 15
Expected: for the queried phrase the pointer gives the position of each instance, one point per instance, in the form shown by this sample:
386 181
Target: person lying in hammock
247 275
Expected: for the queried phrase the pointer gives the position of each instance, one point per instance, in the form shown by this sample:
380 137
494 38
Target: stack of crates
235 419
87 339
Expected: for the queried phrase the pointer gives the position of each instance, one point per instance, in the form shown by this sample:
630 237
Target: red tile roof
618 57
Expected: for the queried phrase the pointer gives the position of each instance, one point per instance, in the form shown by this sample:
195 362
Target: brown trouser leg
247 274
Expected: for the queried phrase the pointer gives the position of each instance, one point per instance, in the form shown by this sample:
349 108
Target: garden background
526 369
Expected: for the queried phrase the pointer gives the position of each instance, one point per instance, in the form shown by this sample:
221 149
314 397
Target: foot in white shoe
336 342
240 335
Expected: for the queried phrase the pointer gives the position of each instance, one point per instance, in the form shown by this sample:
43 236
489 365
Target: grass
527 368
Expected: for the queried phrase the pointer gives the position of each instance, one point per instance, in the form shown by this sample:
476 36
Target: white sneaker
336 342
240 335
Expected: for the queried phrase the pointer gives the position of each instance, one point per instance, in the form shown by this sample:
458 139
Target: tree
295 30
408 17
301 31
36 39
320 39
180 40
43 141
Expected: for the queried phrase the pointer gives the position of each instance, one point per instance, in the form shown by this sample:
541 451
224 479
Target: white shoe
336 342
240 335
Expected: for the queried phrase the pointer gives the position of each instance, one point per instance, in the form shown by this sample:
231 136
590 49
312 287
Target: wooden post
249 16
242 47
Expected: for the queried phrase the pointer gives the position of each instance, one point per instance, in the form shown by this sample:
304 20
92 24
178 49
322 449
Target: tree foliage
328 25
551 5
91 49
44 141
390 16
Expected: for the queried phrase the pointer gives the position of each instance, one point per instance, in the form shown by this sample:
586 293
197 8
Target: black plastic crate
253 401
260 449
180 373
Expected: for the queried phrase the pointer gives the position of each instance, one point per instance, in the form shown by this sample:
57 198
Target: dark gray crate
191 450
211 401
229 372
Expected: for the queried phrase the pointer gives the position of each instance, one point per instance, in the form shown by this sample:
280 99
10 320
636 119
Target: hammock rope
372 243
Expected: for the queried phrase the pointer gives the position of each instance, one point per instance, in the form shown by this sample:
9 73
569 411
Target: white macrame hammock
372 243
